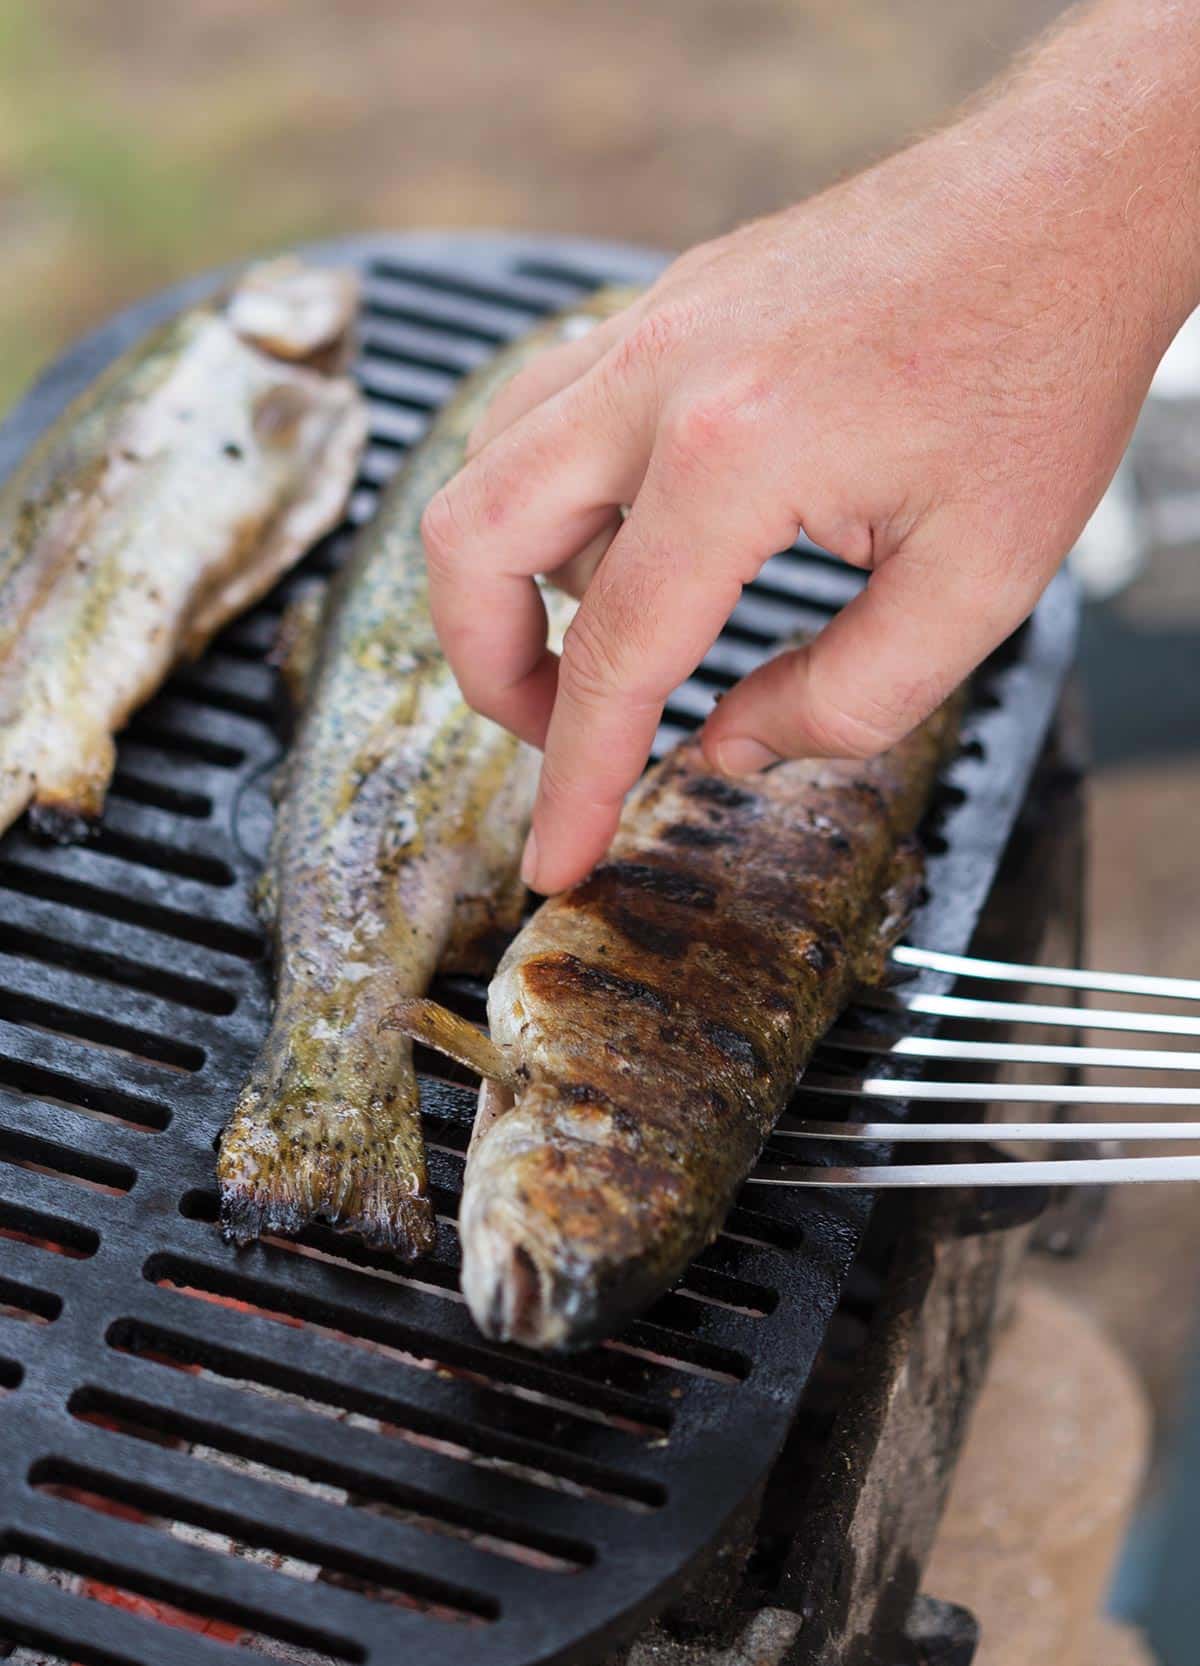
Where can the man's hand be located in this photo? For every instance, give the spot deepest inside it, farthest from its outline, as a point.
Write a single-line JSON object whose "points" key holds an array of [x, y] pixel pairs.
{"points": [[931, 370]]}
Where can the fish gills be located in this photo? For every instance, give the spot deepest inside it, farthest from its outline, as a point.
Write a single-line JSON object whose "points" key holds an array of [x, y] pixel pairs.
{"points": [[395, 853], [167, 499], [658, 1016]]}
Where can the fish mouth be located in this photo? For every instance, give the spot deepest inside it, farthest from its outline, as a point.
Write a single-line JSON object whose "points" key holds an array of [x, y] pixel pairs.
{"points": [[516, 1310], [514, 1293]]}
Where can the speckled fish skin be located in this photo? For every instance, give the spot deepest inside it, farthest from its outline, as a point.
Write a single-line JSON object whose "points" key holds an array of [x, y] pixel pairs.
{"points": [[167, 499], [396, 851], [657, 1017]]}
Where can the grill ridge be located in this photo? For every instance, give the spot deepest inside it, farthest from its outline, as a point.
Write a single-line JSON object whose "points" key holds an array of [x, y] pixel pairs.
{"points": [[133, 992]]}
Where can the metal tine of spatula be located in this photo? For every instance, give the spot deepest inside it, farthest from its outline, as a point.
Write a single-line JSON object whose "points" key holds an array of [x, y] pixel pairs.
{"points": [[819, 1085], [995, 1133], [1057, 977], [1028, 1012], [1009, 1052], [1067, 1171]]}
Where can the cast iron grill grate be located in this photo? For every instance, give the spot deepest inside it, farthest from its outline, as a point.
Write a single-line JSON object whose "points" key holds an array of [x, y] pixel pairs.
{"points": [[305, 1450]]}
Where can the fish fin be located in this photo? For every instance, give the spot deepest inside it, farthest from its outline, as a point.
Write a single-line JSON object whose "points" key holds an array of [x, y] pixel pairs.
{"points": [[297, 641], [282, 1190], [309, 1139], [404, 1226], [61, 824], [265, 897], [900, 896], [72, 784], [447, 1033], [495, 1100]]}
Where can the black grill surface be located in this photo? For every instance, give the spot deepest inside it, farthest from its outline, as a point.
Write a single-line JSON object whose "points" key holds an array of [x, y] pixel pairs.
{"points": [[305, 1449]]}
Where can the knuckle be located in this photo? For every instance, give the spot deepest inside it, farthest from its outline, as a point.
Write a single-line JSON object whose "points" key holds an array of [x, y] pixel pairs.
{"points": [[556, 787], [507, 403], [441, 532], [577, 786], [479, 694], [591, 662], [652, 339], [611, 649], [695, 433], [711, 423], [845, 734]]}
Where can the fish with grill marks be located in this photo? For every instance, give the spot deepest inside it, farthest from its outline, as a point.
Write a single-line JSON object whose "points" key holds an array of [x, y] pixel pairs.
{"points": [[168, 498], [395, 854], [649, 1025]]}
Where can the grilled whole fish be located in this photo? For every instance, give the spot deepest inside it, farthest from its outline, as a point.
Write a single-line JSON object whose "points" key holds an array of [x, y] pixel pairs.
{"points": [[166, 500], [395, 853], [649, 1025]]}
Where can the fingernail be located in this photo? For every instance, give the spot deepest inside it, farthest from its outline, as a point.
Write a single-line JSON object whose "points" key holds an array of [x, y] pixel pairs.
{"points": [[742, 756], [529, 861]]}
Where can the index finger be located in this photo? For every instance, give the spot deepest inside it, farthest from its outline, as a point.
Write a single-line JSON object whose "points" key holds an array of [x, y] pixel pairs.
{"points": [[659, 600]]}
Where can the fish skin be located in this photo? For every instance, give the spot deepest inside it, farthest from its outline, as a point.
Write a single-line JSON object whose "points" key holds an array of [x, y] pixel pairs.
{"points": [[167, 498], [659, 1015], [395, 853]]}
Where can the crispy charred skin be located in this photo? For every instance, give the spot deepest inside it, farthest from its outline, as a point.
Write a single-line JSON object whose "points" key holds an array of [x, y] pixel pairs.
{"points": [[395, 852], [658, 1016], [168, 498]]}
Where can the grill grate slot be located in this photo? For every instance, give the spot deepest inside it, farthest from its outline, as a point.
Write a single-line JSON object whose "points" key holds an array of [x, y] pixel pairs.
{"points": [[27, 1303], [52, 886], [56, 1234], [598, 1382], [80, 1168], [169, 739], [315, 1404], [175, 1607], [16, 1007], [103, 1101], [529, 1446], [75, 956], [231, 1532], [344, 1484]]}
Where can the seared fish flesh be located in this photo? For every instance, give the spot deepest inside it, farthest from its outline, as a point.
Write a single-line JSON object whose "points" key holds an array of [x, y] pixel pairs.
{"points": [[166, 500]]}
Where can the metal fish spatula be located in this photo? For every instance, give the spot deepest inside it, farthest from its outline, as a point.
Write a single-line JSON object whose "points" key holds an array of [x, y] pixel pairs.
{"points": [[881, 1170]]}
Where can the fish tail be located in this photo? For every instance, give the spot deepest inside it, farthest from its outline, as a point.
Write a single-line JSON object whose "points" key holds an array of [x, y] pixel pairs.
{"points": [[73, 777], [64, 792], [16, 789], [323, 1145]]}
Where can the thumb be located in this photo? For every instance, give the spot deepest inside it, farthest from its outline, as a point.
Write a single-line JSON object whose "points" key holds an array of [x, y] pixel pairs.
{"points": [[879, 668]]}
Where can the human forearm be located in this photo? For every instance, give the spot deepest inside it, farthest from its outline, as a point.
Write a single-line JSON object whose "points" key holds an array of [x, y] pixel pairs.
{"points": [[932, 369], [1094, 140]]}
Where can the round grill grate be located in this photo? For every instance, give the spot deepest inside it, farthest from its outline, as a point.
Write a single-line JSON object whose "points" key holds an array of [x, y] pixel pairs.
{"points": [[305, 1451]]}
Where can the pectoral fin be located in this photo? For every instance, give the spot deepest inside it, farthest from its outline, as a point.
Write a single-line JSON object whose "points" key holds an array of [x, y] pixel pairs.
{"points": [[447, 1033], [294, 652], [899, 898]]}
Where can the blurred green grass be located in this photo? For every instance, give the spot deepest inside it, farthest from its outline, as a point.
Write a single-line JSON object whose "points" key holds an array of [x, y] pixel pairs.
{"points": [[99, 198]]}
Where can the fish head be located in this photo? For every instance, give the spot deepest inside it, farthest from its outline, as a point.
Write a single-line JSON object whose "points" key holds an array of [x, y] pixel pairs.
{"points": [[574, 1216]]}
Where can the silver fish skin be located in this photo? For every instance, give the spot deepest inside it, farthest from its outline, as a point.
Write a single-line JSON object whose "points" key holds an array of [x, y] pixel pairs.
{"points": [[167, 499], [395, 854]]}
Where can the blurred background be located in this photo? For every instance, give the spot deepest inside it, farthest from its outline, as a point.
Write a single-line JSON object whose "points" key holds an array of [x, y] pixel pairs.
{"points": [[139, 143]]}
